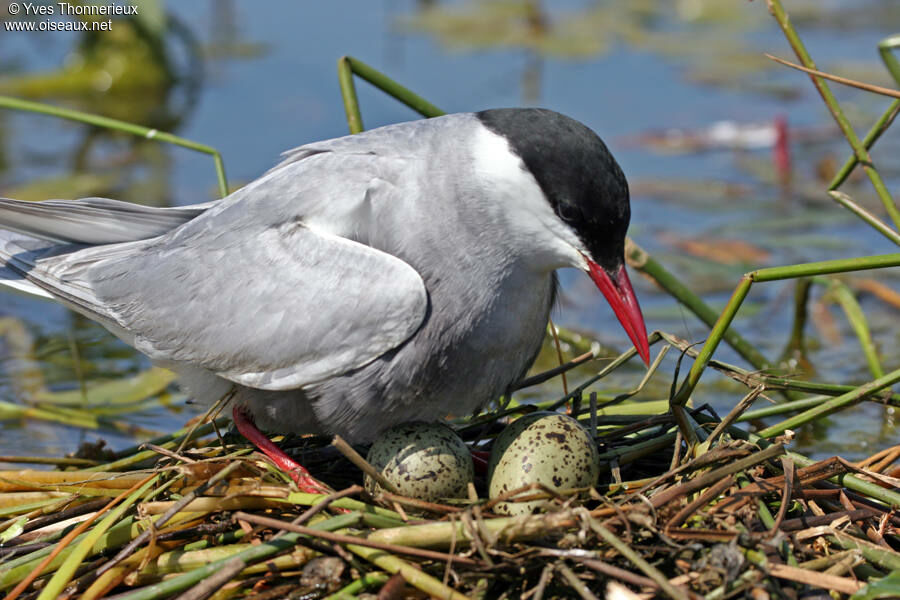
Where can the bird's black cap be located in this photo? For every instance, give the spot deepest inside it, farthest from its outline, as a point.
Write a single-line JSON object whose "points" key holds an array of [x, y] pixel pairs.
{"points": [[576, 172]]}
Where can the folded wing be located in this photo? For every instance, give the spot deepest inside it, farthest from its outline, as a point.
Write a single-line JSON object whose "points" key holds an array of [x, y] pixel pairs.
{"points": [[92, 220], [275, 309]]}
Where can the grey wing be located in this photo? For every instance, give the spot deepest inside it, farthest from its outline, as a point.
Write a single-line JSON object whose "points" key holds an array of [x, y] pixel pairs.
{"points": [[403, 139], [34, 230], [92, 220], [278, 310], [245, 289]]}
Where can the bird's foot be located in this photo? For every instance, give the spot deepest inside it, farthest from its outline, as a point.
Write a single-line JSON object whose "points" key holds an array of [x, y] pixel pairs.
{"points": [[306, 482], [301, 476]]}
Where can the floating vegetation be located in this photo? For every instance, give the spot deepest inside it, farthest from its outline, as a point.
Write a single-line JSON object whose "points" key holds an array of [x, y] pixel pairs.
{"points": [[681, 32], [687, 503], [197, 514]]}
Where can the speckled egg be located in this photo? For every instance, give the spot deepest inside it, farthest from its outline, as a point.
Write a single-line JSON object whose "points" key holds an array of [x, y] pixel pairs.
{"points": [[427, 461], [542, 447]]}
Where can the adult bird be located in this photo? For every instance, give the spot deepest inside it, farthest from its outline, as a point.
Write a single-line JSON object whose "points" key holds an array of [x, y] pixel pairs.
{"points": [[400, 274]]}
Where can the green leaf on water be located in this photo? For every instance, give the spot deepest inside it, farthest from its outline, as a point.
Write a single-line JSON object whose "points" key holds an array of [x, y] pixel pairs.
{"points": [[887, 587], [120, 391]]}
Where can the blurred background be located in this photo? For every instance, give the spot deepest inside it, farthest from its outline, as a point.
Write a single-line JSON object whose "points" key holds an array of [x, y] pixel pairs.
{"points": [[728, 156]]}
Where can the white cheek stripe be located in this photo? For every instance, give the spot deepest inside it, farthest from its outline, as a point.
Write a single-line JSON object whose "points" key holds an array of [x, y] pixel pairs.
{"points": [[523, 204], [494, 158]]}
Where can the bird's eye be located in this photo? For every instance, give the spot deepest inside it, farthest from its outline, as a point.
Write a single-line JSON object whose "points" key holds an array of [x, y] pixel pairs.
{"points": [[568, 212]]}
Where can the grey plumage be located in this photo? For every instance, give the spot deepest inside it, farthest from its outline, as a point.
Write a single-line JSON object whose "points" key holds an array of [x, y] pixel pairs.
{"points": [[92, 220], [364, 281]]}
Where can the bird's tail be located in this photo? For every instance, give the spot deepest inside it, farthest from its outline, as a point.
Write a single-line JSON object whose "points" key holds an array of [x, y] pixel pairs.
{"points": [[92, 221], [15, 244], [31, 230]]}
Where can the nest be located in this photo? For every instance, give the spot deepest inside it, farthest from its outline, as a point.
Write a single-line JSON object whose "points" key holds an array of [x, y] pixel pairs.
{"points": [[201, 515]]}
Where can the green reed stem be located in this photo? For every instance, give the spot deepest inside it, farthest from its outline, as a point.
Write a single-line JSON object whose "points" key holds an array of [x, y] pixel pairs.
{"points": [[392, 88], [781, 408], [795, 343], [880, 126], [752, 379], [770, 274], [348, 93], [645, 263], [250, 555], [712, 342], [826, 267], [859, 150], [857, 319], [876, 223], [814, 387], [833, 405], [885, 48], [852, 482], [63, 575], [123, 126], [368, 580], [349, 66]]}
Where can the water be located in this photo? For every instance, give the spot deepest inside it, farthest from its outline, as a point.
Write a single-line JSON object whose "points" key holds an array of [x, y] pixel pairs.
{"points": [[269, 83]]}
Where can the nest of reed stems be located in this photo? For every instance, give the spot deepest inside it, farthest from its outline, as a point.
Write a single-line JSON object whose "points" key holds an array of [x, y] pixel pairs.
{"points": [[202, 515]]}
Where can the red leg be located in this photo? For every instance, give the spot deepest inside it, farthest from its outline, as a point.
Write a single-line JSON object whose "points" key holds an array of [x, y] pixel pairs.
{"points": [[298, 473]]}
